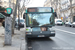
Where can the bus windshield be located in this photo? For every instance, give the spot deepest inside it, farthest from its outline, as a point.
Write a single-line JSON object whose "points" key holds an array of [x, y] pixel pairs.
{"points": [[40, 19]]}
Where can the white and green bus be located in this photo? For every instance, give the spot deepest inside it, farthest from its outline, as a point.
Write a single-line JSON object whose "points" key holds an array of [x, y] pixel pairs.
{"points": [[39, 22]]}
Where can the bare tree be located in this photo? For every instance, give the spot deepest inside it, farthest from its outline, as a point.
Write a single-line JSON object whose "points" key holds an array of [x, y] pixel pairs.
{"points": [[20, 10], [14, 16], [25, 3]]}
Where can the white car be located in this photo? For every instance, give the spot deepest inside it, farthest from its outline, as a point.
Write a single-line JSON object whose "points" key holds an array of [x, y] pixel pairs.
{"points": [[73, 24], [59, 22], [68, 24]]}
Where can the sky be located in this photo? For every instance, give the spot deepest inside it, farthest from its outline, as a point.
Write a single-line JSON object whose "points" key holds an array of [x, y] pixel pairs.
{"points": [[36, 3]]}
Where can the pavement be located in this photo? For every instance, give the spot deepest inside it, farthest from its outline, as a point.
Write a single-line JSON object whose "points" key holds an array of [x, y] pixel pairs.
{"points": [[0, 24], [18, 40]]}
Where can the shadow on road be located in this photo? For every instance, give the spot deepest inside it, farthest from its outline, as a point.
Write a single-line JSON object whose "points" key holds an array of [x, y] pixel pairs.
{"points": [[40, 39]]}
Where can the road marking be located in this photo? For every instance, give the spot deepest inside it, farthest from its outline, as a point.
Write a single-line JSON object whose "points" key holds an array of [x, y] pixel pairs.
{"points": [[65, 31]]}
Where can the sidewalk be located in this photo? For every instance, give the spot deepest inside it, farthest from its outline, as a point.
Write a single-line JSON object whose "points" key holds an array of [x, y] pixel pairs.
{"points": [[0, 24], [18, 40]]}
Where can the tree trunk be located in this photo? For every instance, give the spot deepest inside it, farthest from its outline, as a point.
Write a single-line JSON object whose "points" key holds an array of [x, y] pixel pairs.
{"points": [[14, 16]]}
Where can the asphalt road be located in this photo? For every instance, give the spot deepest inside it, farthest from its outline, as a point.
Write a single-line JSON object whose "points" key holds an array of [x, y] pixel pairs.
{"points": [[64, 40]]}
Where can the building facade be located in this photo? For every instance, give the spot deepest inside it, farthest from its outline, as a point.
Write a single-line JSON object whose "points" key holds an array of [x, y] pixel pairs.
{"points": [[65, 9], [4, 3], [7, 3], [73, 11], [68, 10], [55, 4]]}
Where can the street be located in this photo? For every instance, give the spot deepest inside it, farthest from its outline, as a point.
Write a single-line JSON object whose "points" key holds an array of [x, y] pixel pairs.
{"points": [[37, 25], [64, 40]]}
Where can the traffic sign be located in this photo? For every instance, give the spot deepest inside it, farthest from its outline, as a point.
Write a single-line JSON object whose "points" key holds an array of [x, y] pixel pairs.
{"points": [[8, 10], [61, 17]]}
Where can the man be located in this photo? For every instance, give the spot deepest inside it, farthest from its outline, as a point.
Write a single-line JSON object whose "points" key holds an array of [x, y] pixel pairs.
{"points": [[3, 23]]}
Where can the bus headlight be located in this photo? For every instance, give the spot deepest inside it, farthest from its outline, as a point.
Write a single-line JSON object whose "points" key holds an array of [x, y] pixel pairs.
{"points": [[28, 29]]}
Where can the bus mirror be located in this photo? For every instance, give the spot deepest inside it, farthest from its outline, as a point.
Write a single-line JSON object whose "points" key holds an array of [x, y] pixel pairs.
{"points": [[24, 15], [55, 14]]}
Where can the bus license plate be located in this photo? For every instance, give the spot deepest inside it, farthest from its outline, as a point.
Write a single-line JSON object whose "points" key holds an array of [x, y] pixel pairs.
{"points": [[41, 35]]}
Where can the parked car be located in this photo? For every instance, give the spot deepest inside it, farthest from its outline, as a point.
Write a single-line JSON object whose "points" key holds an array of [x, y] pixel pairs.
{"points": [[73, 24], [21, 24], [58, 22], [68, 24]]}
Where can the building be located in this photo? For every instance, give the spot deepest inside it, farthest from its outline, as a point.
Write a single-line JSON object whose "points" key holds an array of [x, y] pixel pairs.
{"points": [[68, 10], [65, 9], [4, 3], [13, 3], [7, 3], [55, 4], [73, 11]]}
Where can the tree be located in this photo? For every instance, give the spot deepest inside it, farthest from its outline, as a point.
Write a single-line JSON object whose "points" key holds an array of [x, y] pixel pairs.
{"points": [[25, 3], [14, 16], [15, 12], [2, 8]]}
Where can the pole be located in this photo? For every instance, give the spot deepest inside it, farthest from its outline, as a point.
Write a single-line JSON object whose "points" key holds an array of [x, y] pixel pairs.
{"points": [[8, 31]]}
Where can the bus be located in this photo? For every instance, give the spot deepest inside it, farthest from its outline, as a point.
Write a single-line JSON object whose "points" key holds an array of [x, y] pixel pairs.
{"points": [[39, 22]]}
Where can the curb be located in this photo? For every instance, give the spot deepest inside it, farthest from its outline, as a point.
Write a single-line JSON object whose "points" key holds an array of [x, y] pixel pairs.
{"points": [[23, 42], [23, 45]]}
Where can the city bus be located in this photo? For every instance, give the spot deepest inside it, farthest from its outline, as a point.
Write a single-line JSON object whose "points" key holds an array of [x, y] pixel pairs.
{"points": [[39, 22]]}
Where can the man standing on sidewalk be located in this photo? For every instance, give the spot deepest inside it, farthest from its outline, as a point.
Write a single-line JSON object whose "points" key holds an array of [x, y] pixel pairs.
{"points": [[3, 23]]}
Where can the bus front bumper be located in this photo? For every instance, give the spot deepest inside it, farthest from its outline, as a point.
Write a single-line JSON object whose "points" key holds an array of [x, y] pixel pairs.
{"points": [[32, 35]]}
